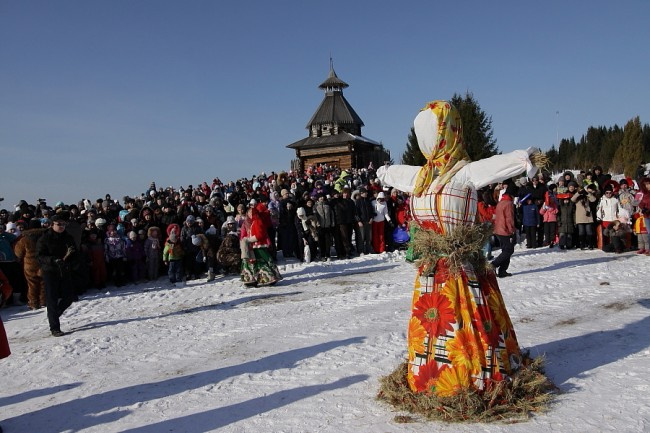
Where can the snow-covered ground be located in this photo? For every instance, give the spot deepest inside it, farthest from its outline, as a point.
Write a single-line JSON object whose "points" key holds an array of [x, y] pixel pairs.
{"points": [[306, 355]]}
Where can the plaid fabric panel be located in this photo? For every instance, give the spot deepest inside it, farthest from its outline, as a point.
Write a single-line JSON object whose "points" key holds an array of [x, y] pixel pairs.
{"points": [[455, 204]]}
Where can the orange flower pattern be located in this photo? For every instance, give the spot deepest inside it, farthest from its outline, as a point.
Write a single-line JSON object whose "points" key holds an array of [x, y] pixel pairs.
{"points": [[470, 340], [452, 380], [467, 349], [416, 337]]}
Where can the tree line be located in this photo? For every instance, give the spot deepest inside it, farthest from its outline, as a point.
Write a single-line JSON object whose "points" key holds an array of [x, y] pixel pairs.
{"points": [[615, 149]]}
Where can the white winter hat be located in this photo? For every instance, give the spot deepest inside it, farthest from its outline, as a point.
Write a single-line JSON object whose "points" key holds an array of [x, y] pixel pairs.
{"points": [[301, 212], [381, 195], [100, 222], [196, 240]]}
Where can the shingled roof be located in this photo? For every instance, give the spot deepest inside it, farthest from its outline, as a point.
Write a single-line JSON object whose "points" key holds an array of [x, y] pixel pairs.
{"points": [[333, 81], [330, 140], [335, 109]]}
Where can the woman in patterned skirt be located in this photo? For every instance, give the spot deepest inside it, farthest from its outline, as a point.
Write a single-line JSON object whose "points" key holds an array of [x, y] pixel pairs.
{"points": [[257, 267]]}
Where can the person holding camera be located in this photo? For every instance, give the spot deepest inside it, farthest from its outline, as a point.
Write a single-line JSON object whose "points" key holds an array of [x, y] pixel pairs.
{"points": [[57, 254], [584, 217]]}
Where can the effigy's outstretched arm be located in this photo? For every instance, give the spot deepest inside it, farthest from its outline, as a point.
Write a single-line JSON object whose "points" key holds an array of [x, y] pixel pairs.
{"points": [[401, 177], [480, 173], [498, 168]]}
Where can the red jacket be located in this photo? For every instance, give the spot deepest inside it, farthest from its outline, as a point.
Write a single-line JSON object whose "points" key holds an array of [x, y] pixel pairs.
{"points": [[485, 212], [6, 289], [644, 203], [504, 217]]}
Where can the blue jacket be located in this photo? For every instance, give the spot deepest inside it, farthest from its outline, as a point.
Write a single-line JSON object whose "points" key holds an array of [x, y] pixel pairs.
{"points": [[530, 217], [6, 251]]}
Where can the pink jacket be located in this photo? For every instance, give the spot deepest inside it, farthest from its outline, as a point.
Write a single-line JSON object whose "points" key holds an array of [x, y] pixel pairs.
{"points": [[549, 213]]}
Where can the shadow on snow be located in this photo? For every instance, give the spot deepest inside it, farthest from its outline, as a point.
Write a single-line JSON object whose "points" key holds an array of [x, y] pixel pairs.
{"points": [[110, 406], [218, 306], [573, 357]]}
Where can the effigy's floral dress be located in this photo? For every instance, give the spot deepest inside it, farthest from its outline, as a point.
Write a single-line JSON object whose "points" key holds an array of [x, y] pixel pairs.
{"points": [[459, 335]]}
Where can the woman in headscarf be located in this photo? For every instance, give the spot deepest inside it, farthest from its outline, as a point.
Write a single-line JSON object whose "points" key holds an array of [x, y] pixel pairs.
{"points": [[257, 268]]}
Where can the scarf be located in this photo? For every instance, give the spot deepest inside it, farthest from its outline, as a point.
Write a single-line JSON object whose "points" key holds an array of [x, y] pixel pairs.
{"points": [[447, 154]]}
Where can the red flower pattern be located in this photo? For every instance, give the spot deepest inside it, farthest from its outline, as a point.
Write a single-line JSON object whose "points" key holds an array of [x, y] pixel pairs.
{"points": [[435, 313]]}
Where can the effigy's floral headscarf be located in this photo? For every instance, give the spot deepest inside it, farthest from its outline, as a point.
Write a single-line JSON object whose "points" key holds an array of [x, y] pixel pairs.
{"points": [[444, 149]]}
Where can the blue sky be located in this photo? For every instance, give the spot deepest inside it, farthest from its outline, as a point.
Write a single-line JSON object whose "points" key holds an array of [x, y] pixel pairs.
{"points": [[104, 97]]}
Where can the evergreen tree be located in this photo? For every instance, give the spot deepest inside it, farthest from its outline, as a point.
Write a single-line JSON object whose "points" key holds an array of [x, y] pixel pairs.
{"points": [[611, 141], [553, 159], [412, 154], [477, 127], [629, 155], [646, 143], [566, 154]]}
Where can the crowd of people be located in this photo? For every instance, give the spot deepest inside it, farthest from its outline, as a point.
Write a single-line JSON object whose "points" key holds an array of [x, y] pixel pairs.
{"points": [[244, 227]]}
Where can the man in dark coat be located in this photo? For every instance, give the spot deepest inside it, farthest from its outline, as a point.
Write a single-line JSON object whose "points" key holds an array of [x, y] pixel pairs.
{"points": [[344, 217], [365, 212], [57, 255]]}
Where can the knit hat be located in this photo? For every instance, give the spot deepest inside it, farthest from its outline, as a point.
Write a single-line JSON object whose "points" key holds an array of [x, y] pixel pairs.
{"points": [[190, 219], [301, 212], [132, 235], [211, 231], [381, 195], [231, 220], [99, 222]]}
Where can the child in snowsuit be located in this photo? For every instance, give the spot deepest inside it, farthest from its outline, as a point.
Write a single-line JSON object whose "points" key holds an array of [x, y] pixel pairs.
{"points": [[115, 255], [94, 249], [530, 219], [153, 253], [135, 257], [616, 231], [549, 215], [173, 257], [208, 252], [566, 223], [229, 253]]}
